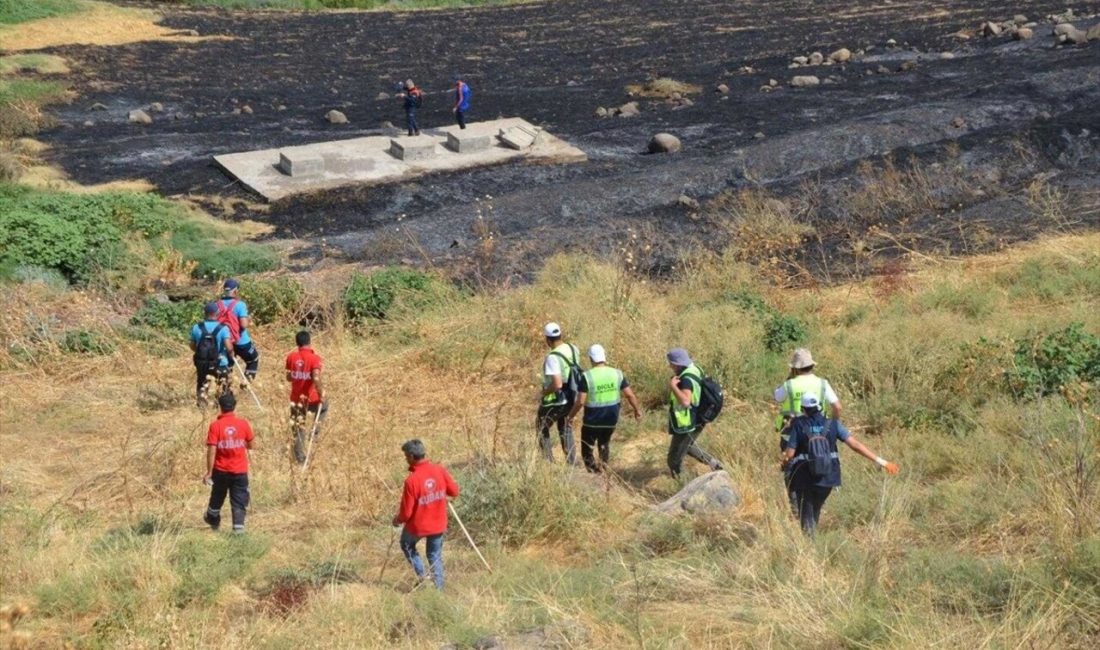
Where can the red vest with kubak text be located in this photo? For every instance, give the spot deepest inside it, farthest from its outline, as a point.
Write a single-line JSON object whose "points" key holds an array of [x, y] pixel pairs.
{"points": [[424, 501]]}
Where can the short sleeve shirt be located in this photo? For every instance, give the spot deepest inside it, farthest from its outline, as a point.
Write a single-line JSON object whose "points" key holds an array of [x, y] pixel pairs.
{"points": [[240, 310], [222, 337], [801, 430], [300, 364], [830, 397], [601, 417], [230, 435]]}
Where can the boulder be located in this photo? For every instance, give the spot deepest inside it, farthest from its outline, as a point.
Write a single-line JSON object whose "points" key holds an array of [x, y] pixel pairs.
{"points": [[629, 109], [140, 117], [1023, 34], [907, 66], [891, 43], [381, 97], [722, 88], [246, 109], [1020, 19], [773, 83], [958, 122], [711, 493], [843, 55], [1094, 33], [97, 107], [947, 55], [881, 69], [156, 107], [759, 135], [601, 111], [336, 117], [816, 58], [688, 202], [1067, 33], [800, 60], [989, 29], [664, 143], [804, 81]]}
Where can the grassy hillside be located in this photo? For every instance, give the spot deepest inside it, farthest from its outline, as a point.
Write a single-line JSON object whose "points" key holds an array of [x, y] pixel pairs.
{"points": [[987, 538]]}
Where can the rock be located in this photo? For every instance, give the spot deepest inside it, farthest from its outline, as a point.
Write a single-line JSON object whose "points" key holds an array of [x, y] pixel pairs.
{"points": [[1045, 115], [156, 107], [958, 123], [711, 493], [1094, 33], [1067, 33], [685, 102], [891, 43], [759, 135], [843, 55], [961, 35], [629, 109], [336, 117], [688, 202], [1020, 19], [381, 97], [89, 123], [907, 66], [989, 29], [246, 109], [793, 66], [675, 97], [1023, 34], [601, 112], [487, 643], [773, 83], [722, 89], [281, 107], [746, 69], [236, 111], [140, 117], [800, 60], [816, 58], [804, 81], [572, 83], [664, 143], [97, 107], [882, 70], [766, 89], [386, 125], [947, 55]]}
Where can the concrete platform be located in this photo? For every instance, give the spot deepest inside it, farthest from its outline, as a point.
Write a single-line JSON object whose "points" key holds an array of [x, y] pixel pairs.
{"points": [[464, 141], [414, 148], [370, 161]]}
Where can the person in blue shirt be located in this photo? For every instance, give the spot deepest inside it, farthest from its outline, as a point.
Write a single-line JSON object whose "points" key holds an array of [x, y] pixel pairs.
{"points": [[233, 312], [462, 101], [212, 352], [814, 461]]}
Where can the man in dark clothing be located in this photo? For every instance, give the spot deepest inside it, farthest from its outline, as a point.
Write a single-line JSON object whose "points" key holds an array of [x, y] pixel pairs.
{"points": [[815, 462], [686, 387], [228, 442], [462, 101], [414, 99], [599, 393], [210, 343]]}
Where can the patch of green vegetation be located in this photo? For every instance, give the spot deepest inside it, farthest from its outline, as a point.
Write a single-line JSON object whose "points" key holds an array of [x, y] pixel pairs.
{"points": [[378, 295], [271, 300], [37, 63], [1045, 364], [174, 318], [88, 342], [21, 101], [205, 563], [13, 12]]}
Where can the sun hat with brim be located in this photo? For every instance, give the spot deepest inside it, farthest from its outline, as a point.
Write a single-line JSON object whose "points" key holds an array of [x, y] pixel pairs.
{"points": [[679, 357], [802, 359]]}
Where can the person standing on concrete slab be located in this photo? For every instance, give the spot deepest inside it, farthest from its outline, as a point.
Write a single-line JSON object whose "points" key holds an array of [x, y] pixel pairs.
{"points": [[414, 99], [228, 442], [423, 510], [684, 427], [600, 393], [462, 101]]}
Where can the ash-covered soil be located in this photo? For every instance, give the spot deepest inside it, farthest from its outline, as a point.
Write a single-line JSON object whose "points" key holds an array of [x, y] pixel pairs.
{"points": [[986, 123]]}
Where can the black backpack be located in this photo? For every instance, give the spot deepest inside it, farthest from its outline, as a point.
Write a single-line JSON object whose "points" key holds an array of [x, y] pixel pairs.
{"points": [[572, 386], [711, 398], [206, 350], [821, 460]]}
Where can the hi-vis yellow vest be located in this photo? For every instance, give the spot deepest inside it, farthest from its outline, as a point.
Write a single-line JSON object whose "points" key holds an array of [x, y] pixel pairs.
{"points": [[681, 419], [562, 352], [796, 387]]}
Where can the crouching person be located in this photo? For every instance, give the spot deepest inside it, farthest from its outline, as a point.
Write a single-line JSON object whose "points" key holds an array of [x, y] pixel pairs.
{"points": [[228, 441], [423, 510]]}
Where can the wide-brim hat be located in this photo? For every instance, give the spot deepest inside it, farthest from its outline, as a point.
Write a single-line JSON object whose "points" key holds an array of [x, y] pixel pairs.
{"points": [[802, 359]]}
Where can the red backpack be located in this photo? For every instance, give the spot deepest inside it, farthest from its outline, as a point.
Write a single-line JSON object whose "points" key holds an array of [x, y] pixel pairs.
{"points": [[228, 316]]}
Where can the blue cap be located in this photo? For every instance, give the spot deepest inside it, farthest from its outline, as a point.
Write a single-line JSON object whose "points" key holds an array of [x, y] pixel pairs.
{"points": [[679, 357], [211, 308], [230, 284]]}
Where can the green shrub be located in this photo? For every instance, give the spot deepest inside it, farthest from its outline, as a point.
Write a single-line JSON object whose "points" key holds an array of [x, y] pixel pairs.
{"points": [[217, 261], [374, 296], [271, 299], [175, 318], [89, 342], [19, 11], [781, 330], [205, 563], [1044, 364]]}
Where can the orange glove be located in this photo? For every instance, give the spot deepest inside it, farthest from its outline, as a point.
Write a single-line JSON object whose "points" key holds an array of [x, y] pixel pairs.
{"points": [[892, 469]]}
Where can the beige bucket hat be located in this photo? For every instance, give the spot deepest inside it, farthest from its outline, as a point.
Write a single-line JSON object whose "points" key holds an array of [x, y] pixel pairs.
{"points": [[802, 359]]}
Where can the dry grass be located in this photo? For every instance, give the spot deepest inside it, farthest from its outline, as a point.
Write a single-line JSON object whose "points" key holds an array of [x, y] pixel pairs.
{"points": [[37, 63], [663, 88]]}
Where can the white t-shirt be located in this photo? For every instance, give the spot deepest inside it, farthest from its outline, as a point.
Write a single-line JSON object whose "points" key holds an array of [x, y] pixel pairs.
{"points": [[830, 397], [552, 365]]}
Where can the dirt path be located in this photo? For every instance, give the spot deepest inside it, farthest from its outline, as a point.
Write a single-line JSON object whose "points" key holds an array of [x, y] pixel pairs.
{"points": [[553, 64]]}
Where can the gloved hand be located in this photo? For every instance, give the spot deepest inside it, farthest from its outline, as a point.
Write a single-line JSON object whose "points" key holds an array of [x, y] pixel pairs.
{"points": [[892, 469]]}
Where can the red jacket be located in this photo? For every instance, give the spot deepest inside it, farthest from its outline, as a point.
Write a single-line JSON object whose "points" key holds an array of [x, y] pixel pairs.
{"points": [[424, 501]]}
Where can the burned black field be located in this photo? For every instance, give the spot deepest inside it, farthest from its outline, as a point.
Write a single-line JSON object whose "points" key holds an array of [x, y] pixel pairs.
{"points": [[982, 134]]}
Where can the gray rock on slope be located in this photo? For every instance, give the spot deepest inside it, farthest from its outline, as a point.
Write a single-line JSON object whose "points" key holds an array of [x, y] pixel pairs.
{"points": [[336, 117], [140, 117], [804, 81], [711, 493]]}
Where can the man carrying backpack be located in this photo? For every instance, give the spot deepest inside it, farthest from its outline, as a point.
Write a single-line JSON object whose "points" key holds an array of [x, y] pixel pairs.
{"points": [[684, 425], [814, 462], [210, 344], [233, 312], [414, 99], [560, 374], [462, 101], [303, 371], [600, 392], [801, 381]]}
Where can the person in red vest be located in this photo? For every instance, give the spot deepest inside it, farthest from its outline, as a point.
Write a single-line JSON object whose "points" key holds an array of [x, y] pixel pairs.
{"points": [[228, 441], [423, 510], [303, 371]]}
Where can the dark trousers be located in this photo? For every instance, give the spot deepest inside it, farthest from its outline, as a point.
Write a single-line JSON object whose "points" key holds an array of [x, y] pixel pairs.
{"points": [[251, 357], [298, 420], [809, 501], [208, 381], [410, 121], [595, 439], [683, 444], [236, 486], [549, 416], [460, 117]]}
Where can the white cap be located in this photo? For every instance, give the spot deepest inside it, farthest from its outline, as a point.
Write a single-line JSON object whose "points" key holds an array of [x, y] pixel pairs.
{"points": [[810, 401], [597, 354], [552, 330]]}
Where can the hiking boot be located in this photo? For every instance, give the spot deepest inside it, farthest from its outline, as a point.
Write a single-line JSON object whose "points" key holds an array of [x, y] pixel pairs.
{"points": [[211, 520]]}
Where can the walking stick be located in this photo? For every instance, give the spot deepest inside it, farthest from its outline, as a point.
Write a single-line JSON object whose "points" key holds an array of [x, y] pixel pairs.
{"points": [[321, 410], [389, 551], [468, 538], [248, 385]]}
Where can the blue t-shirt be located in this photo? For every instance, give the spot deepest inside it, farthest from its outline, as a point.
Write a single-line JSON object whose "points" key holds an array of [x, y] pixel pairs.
{"points": [[462, 97], [222, 338], [802, 428], [241, 310], [600, 417]]}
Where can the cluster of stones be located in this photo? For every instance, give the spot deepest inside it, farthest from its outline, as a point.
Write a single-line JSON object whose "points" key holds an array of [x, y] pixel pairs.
{"points": [[1021, 29]]}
